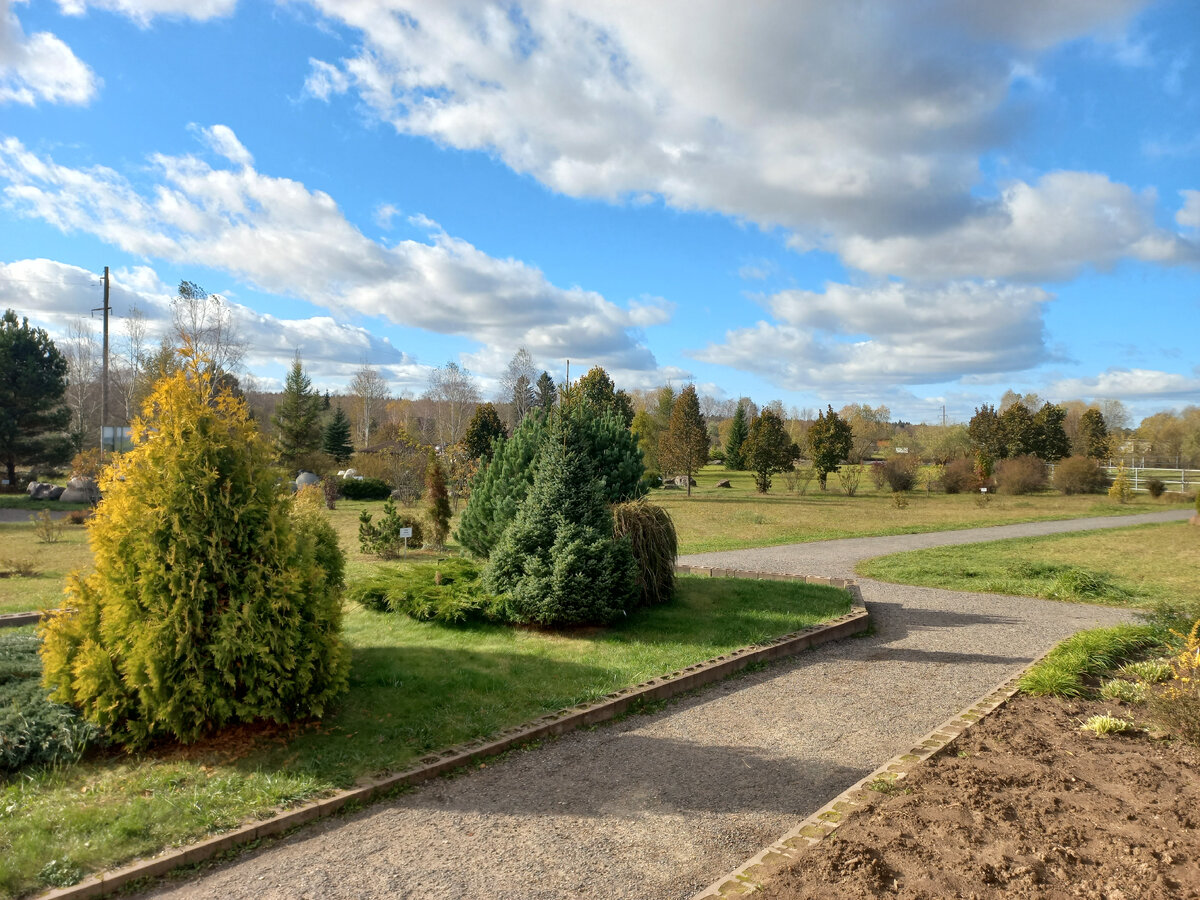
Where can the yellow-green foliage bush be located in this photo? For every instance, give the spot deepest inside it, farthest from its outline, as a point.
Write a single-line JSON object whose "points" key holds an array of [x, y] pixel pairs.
{"points": [[215, 599]]}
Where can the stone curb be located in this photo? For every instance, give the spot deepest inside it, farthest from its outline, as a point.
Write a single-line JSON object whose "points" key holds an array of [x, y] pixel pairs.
{"points": [[854, 622], [747, 878], [12, 620]]}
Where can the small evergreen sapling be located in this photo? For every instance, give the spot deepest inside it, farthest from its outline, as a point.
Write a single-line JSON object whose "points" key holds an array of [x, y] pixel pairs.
{"points": [[439, 501]]}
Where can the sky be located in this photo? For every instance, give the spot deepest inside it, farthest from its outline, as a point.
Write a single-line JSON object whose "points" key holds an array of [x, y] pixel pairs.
{"points": [[915, 204]]}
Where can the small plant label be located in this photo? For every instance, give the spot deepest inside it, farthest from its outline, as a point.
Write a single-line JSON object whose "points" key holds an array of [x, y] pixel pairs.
{"points": [[406, 532]]}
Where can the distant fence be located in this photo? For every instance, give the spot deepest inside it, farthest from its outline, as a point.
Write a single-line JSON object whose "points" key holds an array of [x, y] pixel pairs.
{"points": [[1181, 480]]}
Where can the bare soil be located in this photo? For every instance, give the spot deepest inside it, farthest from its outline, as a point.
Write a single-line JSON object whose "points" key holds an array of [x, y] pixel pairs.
{"points": [[1023, 805]]}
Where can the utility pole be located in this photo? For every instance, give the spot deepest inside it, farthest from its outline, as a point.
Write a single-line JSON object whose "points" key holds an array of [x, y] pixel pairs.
{"points": [[104, 368]]}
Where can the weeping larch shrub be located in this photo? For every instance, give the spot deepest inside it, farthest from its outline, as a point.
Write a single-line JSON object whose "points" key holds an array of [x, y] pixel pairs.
{"points": [[652, 538], [215, 599]]}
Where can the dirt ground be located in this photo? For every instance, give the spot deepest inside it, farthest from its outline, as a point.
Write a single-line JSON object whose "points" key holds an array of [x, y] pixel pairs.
{"points": [[1023, 805]]}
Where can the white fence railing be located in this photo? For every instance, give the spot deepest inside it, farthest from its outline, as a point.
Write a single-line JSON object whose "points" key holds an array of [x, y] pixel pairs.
{"points": [[1172, 479]]}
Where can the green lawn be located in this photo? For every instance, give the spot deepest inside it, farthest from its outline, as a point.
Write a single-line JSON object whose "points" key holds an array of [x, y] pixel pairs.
{"points": [[414, 687], [734, 518], [1139, 566], [51, 564]]}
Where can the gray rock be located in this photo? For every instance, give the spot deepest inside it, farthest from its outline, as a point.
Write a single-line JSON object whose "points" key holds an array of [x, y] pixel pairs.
{"points": [[40, 490], [684, 481], [724, 482], [81, 490], [56, 492], [307, 478]]}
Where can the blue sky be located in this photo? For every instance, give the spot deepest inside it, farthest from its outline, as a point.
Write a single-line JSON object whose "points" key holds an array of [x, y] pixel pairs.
{"points": [[910, 204]]}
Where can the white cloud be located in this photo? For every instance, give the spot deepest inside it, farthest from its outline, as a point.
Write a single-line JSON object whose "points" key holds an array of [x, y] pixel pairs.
{"points": [[224, 142], [1047, 230], [1189, 214], [143, 11], [54, 294], [325, 80], [889, 334], [1129, 384], [285, 239], [40, 67]]}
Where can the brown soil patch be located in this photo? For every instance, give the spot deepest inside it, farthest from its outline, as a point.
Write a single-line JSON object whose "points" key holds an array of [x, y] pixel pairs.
{"points": [[1023, 805]]}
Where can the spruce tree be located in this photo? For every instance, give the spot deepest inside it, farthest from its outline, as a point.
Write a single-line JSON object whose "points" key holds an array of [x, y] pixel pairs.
{"points": [[33, 381], [484, 429], [438, 500], [215, 598], [336, 439], [297, 418], [683, 448], [546, 392], [559, 562], [737, 436]]}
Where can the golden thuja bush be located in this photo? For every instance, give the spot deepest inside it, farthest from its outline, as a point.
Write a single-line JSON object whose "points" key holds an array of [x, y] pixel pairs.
{"points": [[215, 598]]}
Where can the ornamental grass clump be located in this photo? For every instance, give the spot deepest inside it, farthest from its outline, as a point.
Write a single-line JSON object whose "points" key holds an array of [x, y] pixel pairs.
{"points": [[652, 539], [215, 598]]}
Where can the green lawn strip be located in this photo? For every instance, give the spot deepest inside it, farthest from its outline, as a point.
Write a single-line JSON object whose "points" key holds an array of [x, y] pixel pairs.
{"points": [[52, 563], [22, 501], [1088, 653], [1137, 566], [414, 687], [737, 517]]}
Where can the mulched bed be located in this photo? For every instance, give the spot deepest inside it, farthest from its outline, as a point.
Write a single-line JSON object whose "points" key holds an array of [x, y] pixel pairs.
{"points": [[1023, 805]]}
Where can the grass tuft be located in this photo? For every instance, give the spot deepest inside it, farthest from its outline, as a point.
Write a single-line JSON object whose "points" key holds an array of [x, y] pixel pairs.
{"points": [[1091, 652], [1104, 724]]}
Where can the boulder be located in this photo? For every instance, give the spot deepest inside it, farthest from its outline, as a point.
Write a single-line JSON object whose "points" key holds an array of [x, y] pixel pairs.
{"points": [[724, 482], [81, 490], [670, 486], [40, 490], [306, 478], [684, 481], [351, 473], [56, 492]]}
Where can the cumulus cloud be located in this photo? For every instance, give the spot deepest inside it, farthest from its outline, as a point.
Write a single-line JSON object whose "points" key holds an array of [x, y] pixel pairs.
{"points": [[54, 294], [1047, 230], [1189, 214], [1129, 384], [286, 239], [889, 334], [39, 67], [848, 125]]}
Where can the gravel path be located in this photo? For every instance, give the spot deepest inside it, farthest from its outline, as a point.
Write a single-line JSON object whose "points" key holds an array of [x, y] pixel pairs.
{"points": [[659, 806]]}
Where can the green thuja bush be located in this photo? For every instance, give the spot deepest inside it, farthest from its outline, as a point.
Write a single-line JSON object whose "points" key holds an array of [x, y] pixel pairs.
{"points": [[559, 562], [215, 599], [652, 538], [448, 591]]}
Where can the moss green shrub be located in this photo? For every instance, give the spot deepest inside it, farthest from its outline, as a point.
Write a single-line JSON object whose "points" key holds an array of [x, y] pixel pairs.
{"points": [[655, 546], [448, 591], [211, 602], [559, 562], [365, 489], [34, 730], [383, 539]]}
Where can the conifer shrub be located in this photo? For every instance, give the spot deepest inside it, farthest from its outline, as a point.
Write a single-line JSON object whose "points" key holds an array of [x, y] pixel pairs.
{"points": [[652, 539], [366, 489], [438, 500], [1079, 475], [215, 598], [559, 562], [383, 538], [1020, 475], [448, 591], [1121, 489]]}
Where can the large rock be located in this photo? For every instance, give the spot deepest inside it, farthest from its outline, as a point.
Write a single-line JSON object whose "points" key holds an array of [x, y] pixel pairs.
{"points": [[80, 490], [685, 481], [41, 490], [307, 478], [724, 482], [56, 492]]}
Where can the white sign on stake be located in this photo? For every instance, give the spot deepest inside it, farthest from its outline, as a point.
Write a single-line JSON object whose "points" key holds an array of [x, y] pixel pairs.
{"points": [[406, 532]]}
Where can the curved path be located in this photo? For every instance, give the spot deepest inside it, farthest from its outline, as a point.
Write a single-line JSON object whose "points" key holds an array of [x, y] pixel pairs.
{"points": [[659, 806]]}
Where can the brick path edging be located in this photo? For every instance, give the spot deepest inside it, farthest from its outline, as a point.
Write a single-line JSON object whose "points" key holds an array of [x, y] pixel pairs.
{"points": [[611, 706], [12, 620], [747, 878]]}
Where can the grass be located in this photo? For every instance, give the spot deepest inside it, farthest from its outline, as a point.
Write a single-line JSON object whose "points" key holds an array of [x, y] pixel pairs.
{"points": [[737, 517], [1089, 653], [1101, 725], [52, 562], [1138, 566], [415, 687], [22, 501]]}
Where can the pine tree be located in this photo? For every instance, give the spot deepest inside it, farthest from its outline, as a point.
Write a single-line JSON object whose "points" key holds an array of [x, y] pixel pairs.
{"points": [[297, 418], [336, 439], [683, 448], [214, 597], [33, 381], [737, 436], [1093, 434], [598, 389], [438, 501], [546, 392]]}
